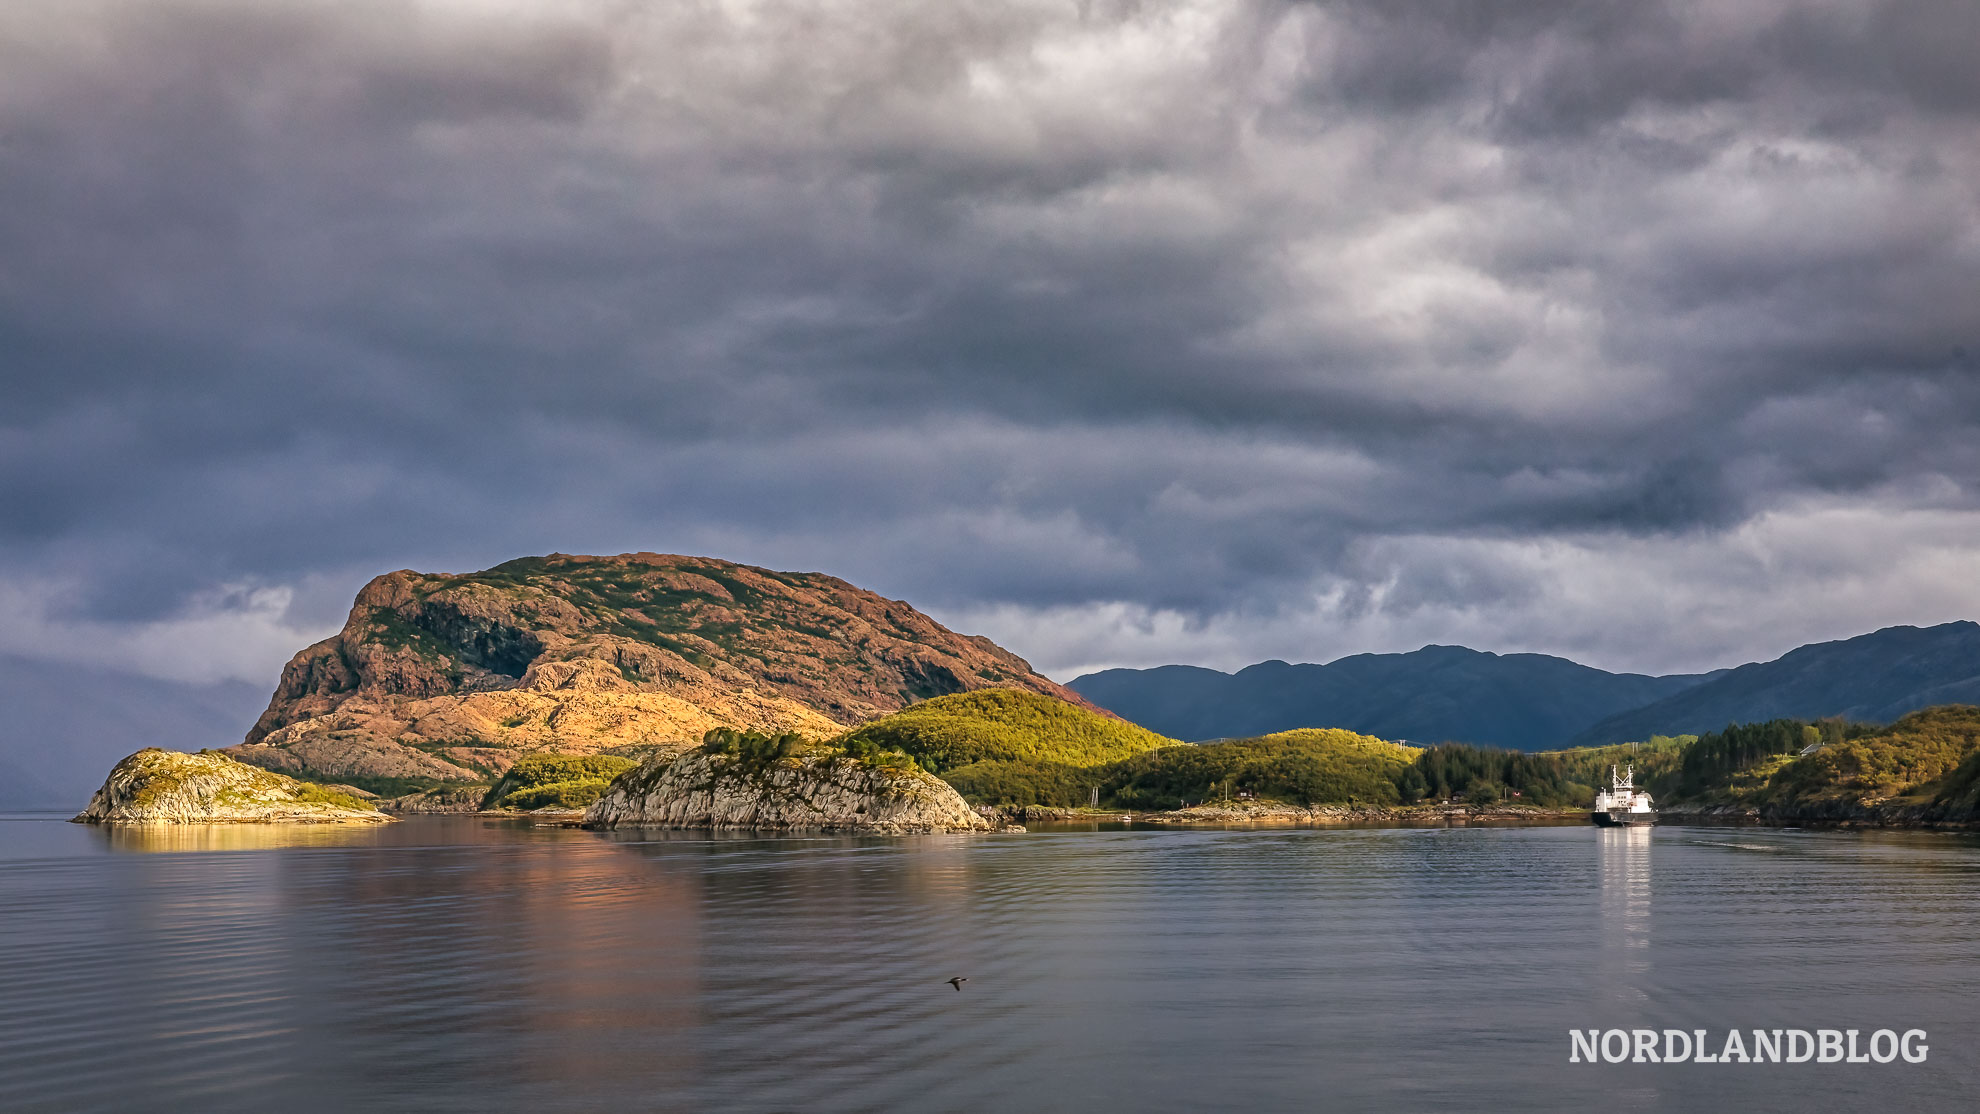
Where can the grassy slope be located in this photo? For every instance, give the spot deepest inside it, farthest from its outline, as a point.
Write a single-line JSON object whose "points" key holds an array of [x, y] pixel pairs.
{"points": [[556, 780], [1929, 759], [1005, 725], [1905, 758], [1005, 747], [1307, 766], [1587, 768], [1923, 755]]}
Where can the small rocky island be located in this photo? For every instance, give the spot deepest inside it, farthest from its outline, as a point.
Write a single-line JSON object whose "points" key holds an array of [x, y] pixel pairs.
{"points": [[830, 792], [168, 787]]}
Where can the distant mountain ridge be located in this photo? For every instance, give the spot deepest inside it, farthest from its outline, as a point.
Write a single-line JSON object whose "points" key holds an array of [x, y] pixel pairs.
{"points": [[1538, 702], [1875, 678], [1524, 701]]}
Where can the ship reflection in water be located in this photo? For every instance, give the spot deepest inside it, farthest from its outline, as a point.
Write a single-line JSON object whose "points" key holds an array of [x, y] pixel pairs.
{"points": [[1625, 903]]}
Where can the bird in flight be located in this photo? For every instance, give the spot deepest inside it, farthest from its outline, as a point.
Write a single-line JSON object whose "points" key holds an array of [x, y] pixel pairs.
{"points": [[958, 981]]}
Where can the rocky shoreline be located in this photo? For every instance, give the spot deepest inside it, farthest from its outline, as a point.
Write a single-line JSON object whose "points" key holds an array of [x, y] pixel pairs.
{"points": [[1275, 813], [1824, 814], [1266, 814]]}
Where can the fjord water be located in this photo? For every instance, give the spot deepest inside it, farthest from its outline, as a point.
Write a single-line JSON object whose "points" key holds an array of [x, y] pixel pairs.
{"points": [[464, 964]]}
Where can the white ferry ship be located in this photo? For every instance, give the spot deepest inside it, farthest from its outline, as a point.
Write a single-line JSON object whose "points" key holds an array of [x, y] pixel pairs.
{"points": [[1621, 803]]}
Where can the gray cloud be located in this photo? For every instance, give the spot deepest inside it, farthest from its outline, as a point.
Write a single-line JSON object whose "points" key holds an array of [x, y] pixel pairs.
{"points": [[1126, 333]]}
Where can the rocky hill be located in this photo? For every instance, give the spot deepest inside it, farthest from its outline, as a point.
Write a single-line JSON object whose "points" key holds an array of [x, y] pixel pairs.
{"points": [[450, 677]]}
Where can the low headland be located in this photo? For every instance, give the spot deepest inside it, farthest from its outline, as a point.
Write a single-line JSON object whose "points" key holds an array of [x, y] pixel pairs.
{"points": [[157, 786]]}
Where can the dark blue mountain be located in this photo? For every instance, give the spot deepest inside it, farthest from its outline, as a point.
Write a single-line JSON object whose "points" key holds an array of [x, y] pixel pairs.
{"points": [[1535, 702], [1874, 678], [1436, 694]]}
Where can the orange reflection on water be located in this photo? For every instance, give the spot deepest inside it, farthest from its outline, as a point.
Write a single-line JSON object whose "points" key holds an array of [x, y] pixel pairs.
{"points": [[234, 837]]}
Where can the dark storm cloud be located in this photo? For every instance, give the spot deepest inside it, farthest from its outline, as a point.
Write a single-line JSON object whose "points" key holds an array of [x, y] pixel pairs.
{"points": [[1341, 324]]}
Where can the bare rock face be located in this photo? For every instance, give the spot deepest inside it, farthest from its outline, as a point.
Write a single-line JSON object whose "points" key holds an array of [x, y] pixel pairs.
{"points": [[478, 736], [168, 787], [452, 677], [700, 790]]}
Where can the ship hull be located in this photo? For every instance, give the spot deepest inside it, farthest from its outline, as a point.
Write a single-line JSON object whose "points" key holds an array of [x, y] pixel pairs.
{"points": [[1619, 819]]}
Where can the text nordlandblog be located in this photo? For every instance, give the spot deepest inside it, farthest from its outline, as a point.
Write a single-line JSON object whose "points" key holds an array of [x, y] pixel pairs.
{"points": [[1768, 1046]]}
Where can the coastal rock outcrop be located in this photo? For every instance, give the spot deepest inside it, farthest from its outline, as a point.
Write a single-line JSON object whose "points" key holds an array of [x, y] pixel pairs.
{"points": [[834, 793], [168, 787]]}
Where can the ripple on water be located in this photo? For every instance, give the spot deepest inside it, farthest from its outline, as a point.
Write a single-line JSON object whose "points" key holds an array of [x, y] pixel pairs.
{"points": [[451, 964]]}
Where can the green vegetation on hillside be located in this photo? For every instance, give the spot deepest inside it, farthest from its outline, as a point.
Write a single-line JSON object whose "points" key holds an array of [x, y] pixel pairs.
{"points": [[556, 781], [1481, 774], [751, 746], [1025, 783], [311, 793], [1015, 748], [1958, 793], [1912, 755], [389, 787], [1928, 755], [1583, 770], [1744, 757], [1004, 725], [1751, 764], [1305, 767], [756, 749], [1548, 779]]}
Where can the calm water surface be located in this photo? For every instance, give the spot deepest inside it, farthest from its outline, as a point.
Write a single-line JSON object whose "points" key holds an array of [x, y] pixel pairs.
{"points": [[451, 964]]}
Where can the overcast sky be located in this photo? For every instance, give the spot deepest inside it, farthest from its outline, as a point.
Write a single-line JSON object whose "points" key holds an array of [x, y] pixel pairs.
{"points": [[1643, 333]]}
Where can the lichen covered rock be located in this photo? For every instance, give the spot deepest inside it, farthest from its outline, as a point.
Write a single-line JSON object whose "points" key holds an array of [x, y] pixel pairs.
{"points": [[832, 793], [168, 787]]}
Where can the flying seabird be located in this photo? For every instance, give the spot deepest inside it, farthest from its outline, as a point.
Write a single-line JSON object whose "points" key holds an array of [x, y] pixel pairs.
{"points": [[958, 981]]}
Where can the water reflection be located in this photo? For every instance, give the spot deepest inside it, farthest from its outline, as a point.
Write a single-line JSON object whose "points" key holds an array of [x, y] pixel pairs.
{"points": [[231, 837], [458, 964], [576, 969], [1625, 920]]}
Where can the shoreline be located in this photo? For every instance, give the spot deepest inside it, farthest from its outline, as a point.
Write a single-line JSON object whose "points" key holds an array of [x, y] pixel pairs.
{"points": [[1275, 814], [1265, 814], [1272, 814], [1891, 815], [1017, 817], [1820, 814]]}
